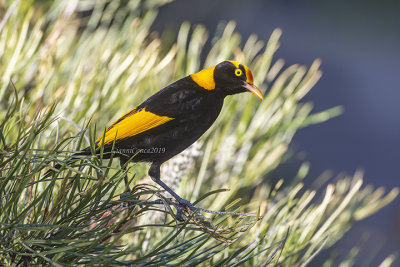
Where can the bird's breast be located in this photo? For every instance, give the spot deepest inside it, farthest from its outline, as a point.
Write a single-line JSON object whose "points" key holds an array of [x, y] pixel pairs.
{"points": [[188, 129]]}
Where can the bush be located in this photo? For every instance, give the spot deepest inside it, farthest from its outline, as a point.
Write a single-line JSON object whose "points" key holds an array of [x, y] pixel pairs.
{"points": [[96, 60]]}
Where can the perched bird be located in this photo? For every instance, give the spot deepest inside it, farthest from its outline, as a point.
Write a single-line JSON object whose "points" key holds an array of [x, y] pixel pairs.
{"points": [[174, 118]]}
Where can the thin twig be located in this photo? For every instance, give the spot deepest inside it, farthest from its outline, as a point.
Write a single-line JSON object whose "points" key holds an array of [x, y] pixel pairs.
{"points": [[177, 205]]}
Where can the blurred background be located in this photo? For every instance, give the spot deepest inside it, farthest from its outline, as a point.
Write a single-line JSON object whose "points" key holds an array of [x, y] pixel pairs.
{"points": [[358, 44]]}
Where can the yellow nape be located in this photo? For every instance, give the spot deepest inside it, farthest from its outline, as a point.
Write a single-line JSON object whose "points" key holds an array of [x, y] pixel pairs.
{"points": [[205, 78], [249, 75], [134, 124], [237, 64]]}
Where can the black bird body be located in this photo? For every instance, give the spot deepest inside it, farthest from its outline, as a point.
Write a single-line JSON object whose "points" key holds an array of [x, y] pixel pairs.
{"points": [[193, 111], [174, 118]]}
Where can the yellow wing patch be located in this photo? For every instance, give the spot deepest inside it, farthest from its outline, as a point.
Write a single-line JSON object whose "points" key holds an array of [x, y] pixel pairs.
{"points": [[120, 119], [132, 124], [205, 78]]}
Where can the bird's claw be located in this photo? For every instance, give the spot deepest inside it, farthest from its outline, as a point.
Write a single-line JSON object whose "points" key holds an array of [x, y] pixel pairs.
{"points": [[124, 195], [178, 214], [184, 205]]}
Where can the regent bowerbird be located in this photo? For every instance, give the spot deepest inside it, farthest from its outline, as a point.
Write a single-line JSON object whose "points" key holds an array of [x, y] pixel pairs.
{"points": [[172, 119]]}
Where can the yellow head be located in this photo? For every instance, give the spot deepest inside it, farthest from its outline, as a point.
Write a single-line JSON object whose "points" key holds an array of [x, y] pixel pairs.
{"points": [[230, 77]]}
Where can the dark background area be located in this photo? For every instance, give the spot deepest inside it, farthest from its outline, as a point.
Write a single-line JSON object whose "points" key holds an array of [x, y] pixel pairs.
{"points": [[359, 45]]}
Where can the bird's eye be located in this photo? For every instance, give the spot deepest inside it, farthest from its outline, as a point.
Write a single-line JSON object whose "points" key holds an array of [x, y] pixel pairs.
{"points": [[238, 72]]}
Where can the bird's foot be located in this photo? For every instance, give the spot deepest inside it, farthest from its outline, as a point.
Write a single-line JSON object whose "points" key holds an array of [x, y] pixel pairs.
{"points": [[124, 195], [186, 205], [127, 193]]}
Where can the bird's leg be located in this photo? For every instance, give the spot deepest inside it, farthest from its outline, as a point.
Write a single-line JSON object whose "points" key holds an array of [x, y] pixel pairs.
{"points": [[154, 173]]}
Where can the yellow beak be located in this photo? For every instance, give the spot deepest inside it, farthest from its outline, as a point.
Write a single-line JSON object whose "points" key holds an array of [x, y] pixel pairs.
{"points": [[252, 88]]}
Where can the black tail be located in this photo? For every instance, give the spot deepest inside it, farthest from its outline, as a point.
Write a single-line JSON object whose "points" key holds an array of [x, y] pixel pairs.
{"points": [[75, 156]]}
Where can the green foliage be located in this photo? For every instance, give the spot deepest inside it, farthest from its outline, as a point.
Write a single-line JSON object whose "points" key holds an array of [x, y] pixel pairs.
{"points": [[96, 60]]}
